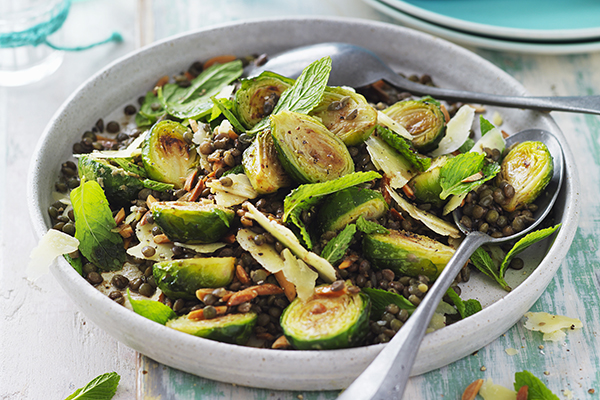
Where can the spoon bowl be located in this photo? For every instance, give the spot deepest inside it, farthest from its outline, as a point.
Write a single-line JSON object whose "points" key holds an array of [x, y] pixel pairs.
{"points": [[356, 66], [386, 377]]}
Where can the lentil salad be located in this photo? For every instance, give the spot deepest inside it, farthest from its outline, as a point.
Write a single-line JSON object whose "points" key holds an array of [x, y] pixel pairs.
{"points": [[223, 152]]}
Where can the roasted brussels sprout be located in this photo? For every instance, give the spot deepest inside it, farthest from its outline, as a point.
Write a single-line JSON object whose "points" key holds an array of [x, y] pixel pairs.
{"points": [[307, 150], [346, 206], [192, 221], [324, 322], [180, 279], [423, 119], [258, 96], [120, 186], [166, 155], [229, 328], [528, 168], [262, 166], [426, 186], [346, 114], [407, 253]]}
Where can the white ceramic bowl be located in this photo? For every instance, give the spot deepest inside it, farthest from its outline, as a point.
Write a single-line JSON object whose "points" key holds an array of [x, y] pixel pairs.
{"points": [[406, 50]]}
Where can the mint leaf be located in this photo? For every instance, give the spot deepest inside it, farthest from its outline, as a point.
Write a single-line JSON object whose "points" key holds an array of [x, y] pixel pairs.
{"points": [[485, 125], [150, 110], [483, 262], [369, 227], [380, 299], [102, 387], [195, 100], [335, 249], [76, 263], [467, 145], [93, 227], [465, 308], [536, 388], [405, 148], [306, 196], [153, 310], [525, 242], [238, 169], [224, 106], [158, 186], [464, 165], [307, 91]]}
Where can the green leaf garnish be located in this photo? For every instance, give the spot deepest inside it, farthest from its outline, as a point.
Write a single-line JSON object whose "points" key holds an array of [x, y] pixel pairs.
{"points": [[238, 169], [370, 227], [467, 145], [483, 262], [225, 106], [102, 387], [93, 227], [76, 263], [335, 249], [536, 390], [464, 166], [405, 148], [153, 310], [129, 166], [485, 125], [525, 242], [306, 196], [380, 299], [465, 308]]}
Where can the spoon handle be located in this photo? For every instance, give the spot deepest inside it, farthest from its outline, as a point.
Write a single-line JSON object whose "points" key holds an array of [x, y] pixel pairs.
{"points": [[582, 104], [386, 377]]}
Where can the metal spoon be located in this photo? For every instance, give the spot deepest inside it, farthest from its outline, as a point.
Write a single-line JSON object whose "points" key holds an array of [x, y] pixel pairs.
{"points": [[386, 377], [356, 66]]}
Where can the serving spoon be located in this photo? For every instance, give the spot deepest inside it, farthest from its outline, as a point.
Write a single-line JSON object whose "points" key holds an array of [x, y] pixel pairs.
{"points": [[386, 377], [356, 66]]}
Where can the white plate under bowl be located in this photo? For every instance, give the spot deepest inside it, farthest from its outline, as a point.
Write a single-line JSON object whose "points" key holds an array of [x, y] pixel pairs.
{"points": [[406, 50], [484, 42]]}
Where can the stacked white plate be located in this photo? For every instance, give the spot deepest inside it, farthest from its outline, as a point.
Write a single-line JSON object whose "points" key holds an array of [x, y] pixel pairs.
{"points": [[526, 26]]}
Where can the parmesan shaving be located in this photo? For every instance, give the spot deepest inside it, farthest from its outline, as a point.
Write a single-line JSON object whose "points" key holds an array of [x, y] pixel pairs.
{"points": [[457, 131], [389, 161], [490, 391], [265, 254], [388, 122], [298, 273], [511, 352], [53, 244], [551, 325], [130, 151]]}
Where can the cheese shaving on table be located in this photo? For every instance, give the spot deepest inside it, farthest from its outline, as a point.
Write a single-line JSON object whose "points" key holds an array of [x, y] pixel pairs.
{"points": [[53, 244], [551, 325], [490, 391]]}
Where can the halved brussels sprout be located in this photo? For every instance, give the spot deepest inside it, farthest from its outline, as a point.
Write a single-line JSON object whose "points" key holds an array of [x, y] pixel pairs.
{"points": [[120, 186], [423, 119], [528, 167], [257, 97], [346, 206], [307, 150], [166, 155], [262, 166], [323, 322], [346, 114], [407, 253], [180, 279], [192, 221], [426, 186], [229, 328]]}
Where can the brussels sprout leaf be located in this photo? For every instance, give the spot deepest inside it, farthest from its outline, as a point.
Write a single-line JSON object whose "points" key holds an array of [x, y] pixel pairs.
{"points": [[483, 262], [405, 148], [535, 387], [370, 227], [465, 308], [102, 387], [128, 166], [380, 299], [224, 106], [93, 227], [153, 310], [524, 243], [485, 125], [335, 249], [461, 167]]}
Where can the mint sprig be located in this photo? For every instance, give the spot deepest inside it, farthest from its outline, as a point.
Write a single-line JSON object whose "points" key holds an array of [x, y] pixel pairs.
{"points": [[153, 310], [405, 148], [335, 249], [536, 390], [465, 308], [102, 387], [461, 167], [380, 299]]}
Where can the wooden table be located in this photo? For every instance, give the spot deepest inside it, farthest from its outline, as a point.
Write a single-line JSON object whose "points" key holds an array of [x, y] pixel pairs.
{"points": [[48, 349]]}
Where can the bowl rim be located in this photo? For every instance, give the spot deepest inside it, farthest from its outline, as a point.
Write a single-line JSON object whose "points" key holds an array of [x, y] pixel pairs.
{"points": [[67, 276]]}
